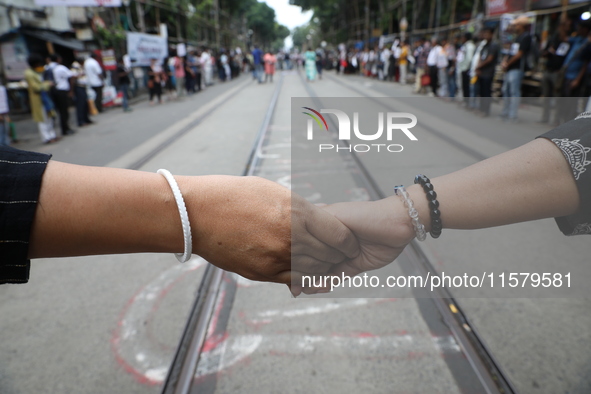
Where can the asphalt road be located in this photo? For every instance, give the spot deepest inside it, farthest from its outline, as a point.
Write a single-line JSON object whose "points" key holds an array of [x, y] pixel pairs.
{"points": [[274, 343], [110, 324], [543, 343]]}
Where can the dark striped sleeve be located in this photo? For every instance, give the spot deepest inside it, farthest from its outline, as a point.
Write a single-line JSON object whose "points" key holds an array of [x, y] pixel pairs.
{"points": [[574, 140], [20, 183]]}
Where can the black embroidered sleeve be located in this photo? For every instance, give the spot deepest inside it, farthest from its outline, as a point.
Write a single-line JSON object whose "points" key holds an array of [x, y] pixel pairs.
{"points": [[574, 140], [20, 183]]}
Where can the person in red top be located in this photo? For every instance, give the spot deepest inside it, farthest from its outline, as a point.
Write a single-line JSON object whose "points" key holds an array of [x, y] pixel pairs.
{"points": [[269, 59], [179, 74]]}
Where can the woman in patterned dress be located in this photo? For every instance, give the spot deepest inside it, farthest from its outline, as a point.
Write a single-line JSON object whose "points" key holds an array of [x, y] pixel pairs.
{"points": [[310, 58]]}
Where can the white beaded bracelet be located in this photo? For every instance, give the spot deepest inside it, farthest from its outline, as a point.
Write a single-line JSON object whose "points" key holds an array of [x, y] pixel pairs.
{"points": [[413, 213], [182, 257]]}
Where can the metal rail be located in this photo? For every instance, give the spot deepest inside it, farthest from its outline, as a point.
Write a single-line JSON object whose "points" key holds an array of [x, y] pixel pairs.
{"points": [[182, 371], [486, 369]]}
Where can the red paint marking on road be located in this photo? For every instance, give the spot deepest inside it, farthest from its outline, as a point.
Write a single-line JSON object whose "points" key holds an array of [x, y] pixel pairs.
{"points": [[383, 300], [227, 279], [277, 353], [365, 335], [213, 323], [355, 335], [255, 325], [214, 341], [415, 355], [158, 300], [139, 376], [115, 339]]}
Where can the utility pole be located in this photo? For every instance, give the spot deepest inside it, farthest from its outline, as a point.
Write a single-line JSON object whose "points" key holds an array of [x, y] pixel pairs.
{"points": [[432, 13], [452, 14], [475, 10], [217, 23], [357, 21], [417, 6], [367, 21], [179, 34], [404, 8], [140, 16], [563, 14], [438, 16], [117, 17]]}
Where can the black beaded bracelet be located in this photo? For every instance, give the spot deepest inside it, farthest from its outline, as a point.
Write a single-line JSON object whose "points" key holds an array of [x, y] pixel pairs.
{"points": [[436, 225]]}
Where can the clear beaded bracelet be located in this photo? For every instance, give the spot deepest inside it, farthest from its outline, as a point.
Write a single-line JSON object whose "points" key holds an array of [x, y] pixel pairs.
{"points": [[420, 232]]}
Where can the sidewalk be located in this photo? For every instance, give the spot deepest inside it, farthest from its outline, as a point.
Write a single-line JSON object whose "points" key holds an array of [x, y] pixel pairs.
{"points": [[115, 133], [27, 131]]}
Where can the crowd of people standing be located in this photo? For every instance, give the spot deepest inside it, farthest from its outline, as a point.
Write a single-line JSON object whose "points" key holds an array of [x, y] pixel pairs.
{"points": [[177, 76], [461, 68], [467, 64], [52, 86]]}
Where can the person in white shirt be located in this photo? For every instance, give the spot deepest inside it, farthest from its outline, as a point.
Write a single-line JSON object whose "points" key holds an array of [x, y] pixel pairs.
{"points": [[205, 61], [385, 63], [355, 61], [474, 87], [463, 60], [226, 66], [80, 95], [365, 62], [64, 92], [48, 76], [4, 118], [442, 64], [432, 64], [94, 75]]}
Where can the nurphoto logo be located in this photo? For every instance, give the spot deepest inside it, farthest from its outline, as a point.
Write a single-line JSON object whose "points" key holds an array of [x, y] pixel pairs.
{"points": [[393, 124]]}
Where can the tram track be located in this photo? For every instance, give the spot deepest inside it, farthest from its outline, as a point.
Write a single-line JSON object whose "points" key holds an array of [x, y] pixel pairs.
{"points": [[474, 369], [160, 147], [181, 374]]}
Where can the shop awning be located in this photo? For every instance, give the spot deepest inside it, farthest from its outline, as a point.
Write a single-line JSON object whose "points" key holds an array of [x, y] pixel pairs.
{"points": [[46, 35]]}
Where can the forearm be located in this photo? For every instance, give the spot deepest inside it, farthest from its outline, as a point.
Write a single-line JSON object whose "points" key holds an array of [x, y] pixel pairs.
{"points": [[531, 182], [92, 210], [514, 59], [582, 73], [241, 224], [485, 63]]}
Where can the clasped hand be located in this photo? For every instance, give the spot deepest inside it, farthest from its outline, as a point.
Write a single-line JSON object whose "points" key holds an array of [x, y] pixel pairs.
{"points": [[264, 232]]}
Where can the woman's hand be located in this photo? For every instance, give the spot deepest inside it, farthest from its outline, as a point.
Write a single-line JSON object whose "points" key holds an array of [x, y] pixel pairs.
{"points": [[261, 230], [383, 229]]}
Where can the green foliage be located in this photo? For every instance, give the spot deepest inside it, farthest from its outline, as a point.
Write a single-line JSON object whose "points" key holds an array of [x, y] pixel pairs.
{"points": [[330, 16], [110, 38], [338, 20], [237, 7], [281, 31], [299, 35], [201, 6], [235, 18], [260, 18]]}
